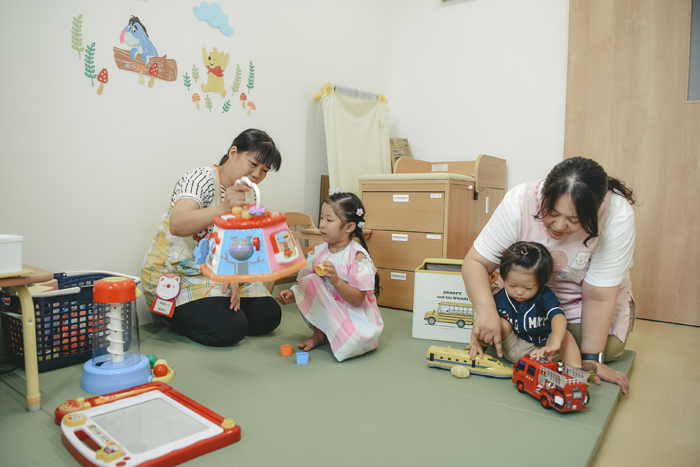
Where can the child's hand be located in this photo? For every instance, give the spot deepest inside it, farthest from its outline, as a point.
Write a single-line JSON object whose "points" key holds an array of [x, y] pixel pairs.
{"points": [[475, 348], [286, 297], [331, 273], [548, 351]]}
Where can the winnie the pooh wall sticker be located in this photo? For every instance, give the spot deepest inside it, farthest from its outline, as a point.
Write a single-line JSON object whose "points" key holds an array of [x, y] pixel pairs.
{"points": [[142, 57], [216, 63]]}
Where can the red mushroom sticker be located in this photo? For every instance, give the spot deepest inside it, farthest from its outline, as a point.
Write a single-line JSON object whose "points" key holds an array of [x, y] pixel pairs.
{"points": [[243, 98], [153, 71], [195, 99], [252, 107], [141, 69], [102, 78]]}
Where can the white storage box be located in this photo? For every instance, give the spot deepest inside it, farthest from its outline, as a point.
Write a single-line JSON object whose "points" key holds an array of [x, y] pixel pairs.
{"points": [[10, 254], [441, 309]]}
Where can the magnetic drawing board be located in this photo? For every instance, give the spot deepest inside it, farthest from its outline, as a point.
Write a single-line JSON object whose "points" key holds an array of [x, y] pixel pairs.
{"points": [[147, 425]]}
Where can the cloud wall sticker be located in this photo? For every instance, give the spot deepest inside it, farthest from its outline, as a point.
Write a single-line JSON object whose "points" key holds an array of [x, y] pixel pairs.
{"points": [[213, 15]]}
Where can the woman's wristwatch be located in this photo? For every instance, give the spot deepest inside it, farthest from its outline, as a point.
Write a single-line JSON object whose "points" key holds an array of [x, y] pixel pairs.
{"points": [[595, 357]]}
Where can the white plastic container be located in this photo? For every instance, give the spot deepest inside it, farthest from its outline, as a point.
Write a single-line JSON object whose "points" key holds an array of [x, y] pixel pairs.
{"points": [[10, 254]]}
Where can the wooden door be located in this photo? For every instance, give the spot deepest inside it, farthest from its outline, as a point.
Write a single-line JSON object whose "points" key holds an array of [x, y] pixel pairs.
{"points": [[627, 108]]}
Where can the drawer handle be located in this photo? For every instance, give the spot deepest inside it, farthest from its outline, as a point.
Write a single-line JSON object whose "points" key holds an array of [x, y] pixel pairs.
{"points": [[399, 237], [400, 198], [397, 276]]}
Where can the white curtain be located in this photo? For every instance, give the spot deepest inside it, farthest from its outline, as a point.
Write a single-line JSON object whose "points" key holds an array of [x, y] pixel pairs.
{"points": [[357, 138]]}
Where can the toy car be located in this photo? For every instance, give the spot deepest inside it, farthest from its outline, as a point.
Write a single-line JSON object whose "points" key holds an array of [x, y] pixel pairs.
{"points": [[558, 386]]}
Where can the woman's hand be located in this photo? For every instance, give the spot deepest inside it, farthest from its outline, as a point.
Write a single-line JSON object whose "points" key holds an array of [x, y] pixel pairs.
{"points": [[235, 195], [286, 297], [605, 373], [235, 295], [476, 271]]}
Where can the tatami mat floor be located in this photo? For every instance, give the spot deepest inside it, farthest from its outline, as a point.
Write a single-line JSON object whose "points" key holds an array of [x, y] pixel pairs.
{"points": [[330, 414]]}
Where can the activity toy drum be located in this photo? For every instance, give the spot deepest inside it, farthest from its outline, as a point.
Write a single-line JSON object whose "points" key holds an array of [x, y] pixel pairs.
{"points": [[250, 244], [116, 362]]}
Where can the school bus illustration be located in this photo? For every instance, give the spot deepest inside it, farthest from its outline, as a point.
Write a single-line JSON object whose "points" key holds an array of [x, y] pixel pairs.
{"points": [[460, 314]]}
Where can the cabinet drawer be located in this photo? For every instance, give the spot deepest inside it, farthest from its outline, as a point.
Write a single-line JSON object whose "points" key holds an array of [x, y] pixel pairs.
{"points": [[403, 250], [397, 288], [407, 211]]}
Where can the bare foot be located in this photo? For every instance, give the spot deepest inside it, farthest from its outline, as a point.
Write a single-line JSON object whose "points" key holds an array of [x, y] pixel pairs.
{"points": [[318, 338]]}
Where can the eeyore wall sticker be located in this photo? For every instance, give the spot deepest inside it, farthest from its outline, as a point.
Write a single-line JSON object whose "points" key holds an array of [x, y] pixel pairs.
{"points": [[142, 56]]}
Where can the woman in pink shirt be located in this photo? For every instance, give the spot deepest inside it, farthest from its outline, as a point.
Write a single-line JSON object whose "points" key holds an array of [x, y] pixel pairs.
{"points": [[586, 221]]}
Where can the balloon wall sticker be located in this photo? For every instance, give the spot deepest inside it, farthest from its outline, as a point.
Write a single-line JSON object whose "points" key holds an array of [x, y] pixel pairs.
{"points": [[76, 36], [141, 55], [213, 15], [216, 62]]}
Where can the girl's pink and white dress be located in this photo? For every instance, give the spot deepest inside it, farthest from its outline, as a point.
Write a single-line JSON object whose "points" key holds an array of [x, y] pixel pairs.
{"points": [[351, 330]]}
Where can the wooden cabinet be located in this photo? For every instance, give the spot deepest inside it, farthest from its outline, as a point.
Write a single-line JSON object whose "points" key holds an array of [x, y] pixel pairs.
{"points": [[429, 214]]}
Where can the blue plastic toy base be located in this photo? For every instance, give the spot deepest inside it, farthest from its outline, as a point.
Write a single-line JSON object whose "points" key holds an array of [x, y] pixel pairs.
{"points": [[101, 380]]}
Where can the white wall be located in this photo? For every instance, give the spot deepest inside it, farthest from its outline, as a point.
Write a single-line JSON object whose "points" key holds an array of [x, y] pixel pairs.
{"points": [[85, 178], [474, 77]]}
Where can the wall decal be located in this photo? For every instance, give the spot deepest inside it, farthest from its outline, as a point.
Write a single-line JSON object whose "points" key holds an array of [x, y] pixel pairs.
{"points": [[186, 79], [102, 78], [243, 98], [195, 99], [142, 53], [227, 105], [141, 69], [195, 73], [216, 63], [76, 37], [90, 63], [252, 107], [135, 36], [213, 15], [251, 76], [237, 81], [207, 103]]}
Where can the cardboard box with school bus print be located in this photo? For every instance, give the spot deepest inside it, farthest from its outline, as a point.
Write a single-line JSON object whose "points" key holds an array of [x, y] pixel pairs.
{"points": [[442, 310]]}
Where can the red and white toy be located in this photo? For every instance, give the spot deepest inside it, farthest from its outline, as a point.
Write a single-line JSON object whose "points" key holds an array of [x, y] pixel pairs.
{"points": [[166, 292], [561, 387]]}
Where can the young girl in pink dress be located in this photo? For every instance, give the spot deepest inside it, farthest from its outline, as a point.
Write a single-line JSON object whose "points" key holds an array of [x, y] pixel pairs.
{"points": [[340, 306]]}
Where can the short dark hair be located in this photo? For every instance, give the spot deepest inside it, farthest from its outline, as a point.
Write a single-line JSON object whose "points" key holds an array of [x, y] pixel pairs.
{"points": [[260, 145], [533, 257]]}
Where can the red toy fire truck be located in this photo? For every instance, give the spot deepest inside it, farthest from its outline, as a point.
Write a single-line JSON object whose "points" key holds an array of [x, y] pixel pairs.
{"points": [[558, 386]]}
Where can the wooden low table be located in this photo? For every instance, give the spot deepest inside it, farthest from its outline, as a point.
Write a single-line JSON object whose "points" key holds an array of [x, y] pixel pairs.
{"points": [[19, 281]]}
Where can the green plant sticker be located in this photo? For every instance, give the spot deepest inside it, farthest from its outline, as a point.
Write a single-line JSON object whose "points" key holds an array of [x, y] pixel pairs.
{"points": [[186, 79], [195, 73], [207, 103], [251, 76], [90, 63], [76, 36], [237, 81], [227, 105]]}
